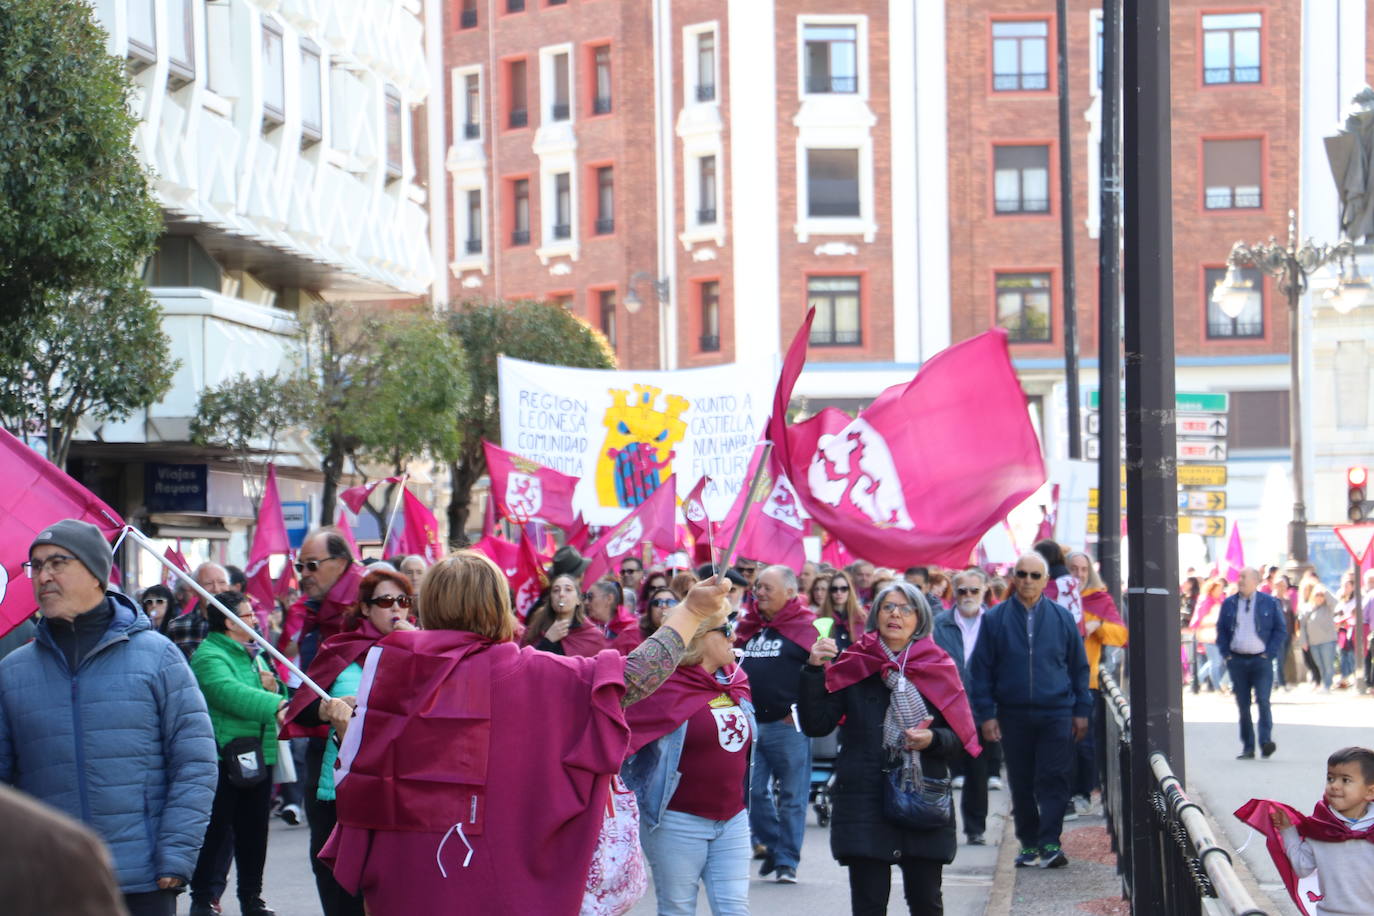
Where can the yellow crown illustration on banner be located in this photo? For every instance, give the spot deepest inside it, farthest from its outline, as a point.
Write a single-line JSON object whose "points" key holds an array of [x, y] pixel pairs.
{"points": [[637, 454]]}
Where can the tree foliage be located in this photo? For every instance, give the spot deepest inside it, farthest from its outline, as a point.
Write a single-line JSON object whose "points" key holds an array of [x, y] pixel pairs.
{"points": [[75, 208], [385, 386], [247, 416], [98, 355], [534, 331]]}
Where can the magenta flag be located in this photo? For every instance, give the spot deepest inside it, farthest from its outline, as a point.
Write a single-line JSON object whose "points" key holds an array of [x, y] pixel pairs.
{"points": [[774, 524], [654, 521], [928, 468], [354, 497], [347, 531], [1235, 555], [833, 552], [580, 534], [269, 538], [36, 494], [527, 491], [420, 535], [694, 509]]}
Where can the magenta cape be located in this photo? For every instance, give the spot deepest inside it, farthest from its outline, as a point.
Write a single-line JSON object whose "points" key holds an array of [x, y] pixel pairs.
{"points": [[927, 666], [1101, 606], [336, 654], [795, 621], [586, 640], [512, 747], [686, 691], [330, 616], [1323, 826]]}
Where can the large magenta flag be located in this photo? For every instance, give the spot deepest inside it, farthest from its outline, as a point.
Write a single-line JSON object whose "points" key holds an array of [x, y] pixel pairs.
{"points": [[526, 491], [420, 535], [36, 494], [928, 468], [654, 521], [269, 538]]}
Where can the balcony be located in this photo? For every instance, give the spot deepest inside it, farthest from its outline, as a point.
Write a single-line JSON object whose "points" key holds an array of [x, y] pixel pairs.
{"points": [[710, 343], [472, 131], [819, 85], [1020, 82], [519, 117], [520, 237], [467, 19], [562, 231], [605, 226], [601, 105], [1234, 328], [1218, 76], [559, 111], [474, 246], [706, 92], [706, 216], [1022, 205], [834, 338]]}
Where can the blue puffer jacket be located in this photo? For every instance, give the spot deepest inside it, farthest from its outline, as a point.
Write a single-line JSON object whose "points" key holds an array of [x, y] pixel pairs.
{"points": [[124, 744]]}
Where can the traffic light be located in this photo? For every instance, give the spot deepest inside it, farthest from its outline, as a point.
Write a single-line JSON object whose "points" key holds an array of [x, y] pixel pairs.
{"points": [[1357, 489]]}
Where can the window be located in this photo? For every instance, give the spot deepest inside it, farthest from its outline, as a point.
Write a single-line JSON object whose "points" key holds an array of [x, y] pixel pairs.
{"points": [[605, 200], [1023, 307], [467, 17], [181, 43], [832, 62], [219, 49], [706, 66], [472, 107], [836, 301], [832, 182], [1250, 321], [562, 300], [393, 132], [180, 261], [474, 240], [1021, 179], [312, 94], [273, 74], [518, 115], [560, 110], [1020, 56], [1231, 48], [520, 195], [142, 35], [515, 6], [1231, 174], [562, 205], [1101, 46], [710, 316], [706, 190], [601, 65], [605, 306]]}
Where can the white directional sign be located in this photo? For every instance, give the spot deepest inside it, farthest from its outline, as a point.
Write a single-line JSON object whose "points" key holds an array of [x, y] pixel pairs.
{"points": [[1201, 425], [1092, 423], [1201, 450], [1201, 500]]}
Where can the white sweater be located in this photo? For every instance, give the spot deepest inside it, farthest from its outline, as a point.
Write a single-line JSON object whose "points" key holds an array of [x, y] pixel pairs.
{"points": [[1345, 870]]}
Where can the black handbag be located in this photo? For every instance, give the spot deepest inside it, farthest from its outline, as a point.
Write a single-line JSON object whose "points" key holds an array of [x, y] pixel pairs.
{"points": [[244, 765], [924, 805]]}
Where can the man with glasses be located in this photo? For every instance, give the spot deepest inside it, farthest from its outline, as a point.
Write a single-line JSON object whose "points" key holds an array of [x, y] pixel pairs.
{"points": [[101, 718], [190, 629], [1029, 690], [956, 631], [631, 575]]}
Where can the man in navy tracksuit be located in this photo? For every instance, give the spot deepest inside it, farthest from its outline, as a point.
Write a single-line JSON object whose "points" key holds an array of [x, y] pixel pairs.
{"points": [[1030, 691], [1250, 633]]}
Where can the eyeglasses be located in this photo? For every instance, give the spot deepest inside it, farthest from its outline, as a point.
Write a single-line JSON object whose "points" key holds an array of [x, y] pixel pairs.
{"points": [[626, 570], [663, 602], [747, 570], [57, 562], [386, 601], [724, 630], [838, 588], [888, 607], [965, 590], [1028, 574], [313, 565]]}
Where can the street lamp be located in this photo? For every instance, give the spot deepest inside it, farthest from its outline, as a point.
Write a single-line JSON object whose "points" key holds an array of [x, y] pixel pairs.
{"points": [[662, 291], [1290, 265]]}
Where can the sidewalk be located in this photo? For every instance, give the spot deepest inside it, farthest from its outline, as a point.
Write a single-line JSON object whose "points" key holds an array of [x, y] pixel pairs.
{"points": [[1088, 885]]}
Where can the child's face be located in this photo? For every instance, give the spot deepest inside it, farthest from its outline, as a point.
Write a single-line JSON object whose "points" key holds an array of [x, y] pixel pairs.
{"points": [[1346, 791]]}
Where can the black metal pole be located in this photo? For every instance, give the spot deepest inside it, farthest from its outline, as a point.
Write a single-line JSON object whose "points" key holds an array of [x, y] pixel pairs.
{"points": [[1151, 487], [1066, 234], [1109, 307]]}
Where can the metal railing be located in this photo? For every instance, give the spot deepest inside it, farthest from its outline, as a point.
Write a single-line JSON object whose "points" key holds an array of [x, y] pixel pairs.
{"points": [[1196, 874]]}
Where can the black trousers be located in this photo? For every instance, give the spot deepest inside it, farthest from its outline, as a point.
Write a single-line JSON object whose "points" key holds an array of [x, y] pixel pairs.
{"points": [[973, 798], [870, 884], [334, 900], [152, 903], [238, 819]]}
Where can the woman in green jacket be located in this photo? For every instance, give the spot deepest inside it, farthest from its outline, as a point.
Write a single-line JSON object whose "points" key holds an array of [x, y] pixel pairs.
{"points": [[245, 701]]}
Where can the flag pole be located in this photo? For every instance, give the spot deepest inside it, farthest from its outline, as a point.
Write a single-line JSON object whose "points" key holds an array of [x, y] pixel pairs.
{"points": [[138, 537], [749, 502], [391, 518]]}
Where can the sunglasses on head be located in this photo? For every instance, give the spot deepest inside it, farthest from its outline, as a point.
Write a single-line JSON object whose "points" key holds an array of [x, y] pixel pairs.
{"points": [[386, 601], [1029, 574]]}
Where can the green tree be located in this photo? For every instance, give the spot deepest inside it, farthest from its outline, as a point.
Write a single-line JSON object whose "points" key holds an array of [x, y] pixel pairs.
{"points": [[75, 208], [96, 355], [247, 416], [534, 331], [385, 385]]}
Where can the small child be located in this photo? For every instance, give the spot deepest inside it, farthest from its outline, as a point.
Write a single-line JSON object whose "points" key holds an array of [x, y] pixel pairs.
{"points": [[1337, 841]]}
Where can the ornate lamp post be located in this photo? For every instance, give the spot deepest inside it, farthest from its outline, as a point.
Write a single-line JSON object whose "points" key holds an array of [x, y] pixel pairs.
{"points": [[1290, 265]]}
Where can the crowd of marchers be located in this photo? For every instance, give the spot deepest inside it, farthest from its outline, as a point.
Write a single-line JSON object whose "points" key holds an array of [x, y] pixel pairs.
{"points": [[662, 721]]}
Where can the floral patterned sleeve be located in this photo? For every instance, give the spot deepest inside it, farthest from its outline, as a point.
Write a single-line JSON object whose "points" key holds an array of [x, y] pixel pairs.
{"points": [[651, 663]]}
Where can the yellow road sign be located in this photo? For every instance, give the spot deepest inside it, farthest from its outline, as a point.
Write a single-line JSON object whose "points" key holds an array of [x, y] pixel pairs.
{"points": [[1093, 497], [1092, 523], [1210, 526], [1202, 475]]}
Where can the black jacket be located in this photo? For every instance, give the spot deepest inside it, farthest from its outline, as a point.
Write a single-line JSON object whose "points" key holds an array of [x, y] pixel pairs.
{"points": [[858, 828]]}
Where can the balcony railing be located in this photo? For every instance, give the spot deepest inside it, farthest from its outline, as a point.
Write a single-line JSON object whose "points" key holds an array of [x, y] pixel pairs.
{"points": [[520, 237], [834, 338], [1022, 82], [1228, 327], [706, 92], [1233, 199], [601, 105], [467, 19], [706, 216], [472, 130], [519, 117], [559, 111], [1214, 76], [605, 226], [562, 231], [832, 83], [1022, 205], [474, 246], [710, 343]]}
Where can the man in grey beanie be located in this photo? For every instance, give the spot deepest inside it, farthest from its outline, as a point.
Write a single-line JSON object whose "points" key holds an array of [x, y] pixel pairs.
{"points": [[101, 718]]}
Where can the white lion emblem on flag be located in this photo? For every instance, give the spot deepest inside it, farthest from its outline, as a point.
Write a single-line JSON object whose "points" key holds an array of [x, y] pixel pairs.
{"points": [[855, 465], [524, 496], [626, 538], [782, 504]]}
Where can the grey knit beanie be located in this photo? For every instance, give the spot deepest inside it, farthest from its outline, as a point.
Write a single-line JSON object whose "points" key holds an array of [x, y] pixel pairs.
{"points": [[85, 542]]}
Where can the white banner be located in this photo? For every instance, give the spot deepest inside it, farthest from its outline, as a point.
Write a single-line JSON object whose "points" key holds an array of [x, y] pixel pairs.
{"points": [[623, 432]]}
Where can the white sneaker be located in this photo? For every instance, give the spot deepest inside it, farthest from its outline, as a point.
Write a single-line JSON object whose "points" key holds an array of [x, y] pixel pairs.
{"points": [[1070, 814], [1083, 804], [995, 783], [958, 782]]}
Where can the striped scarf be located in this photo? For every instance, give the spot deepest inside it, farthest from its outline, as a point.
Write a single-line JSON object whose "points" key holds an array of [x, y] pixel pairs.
{"points": [[907, 709]]}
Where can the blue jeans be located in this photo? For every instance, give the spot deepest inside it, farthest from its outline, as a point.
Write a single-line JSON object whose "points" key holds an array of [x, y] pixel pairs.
{"points": [[1324, 654], [1214, 671], [1252, 673], [685, 850], [1040, 753], [784, 754]]}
